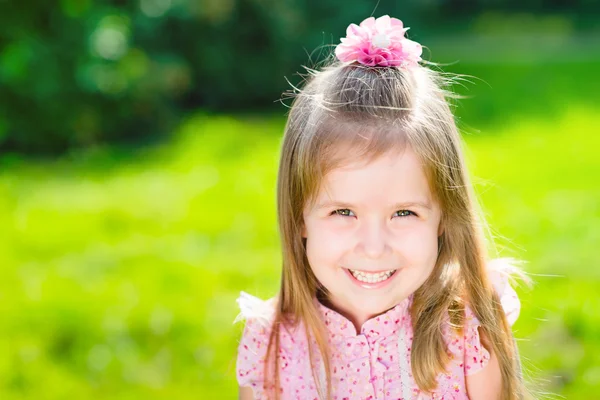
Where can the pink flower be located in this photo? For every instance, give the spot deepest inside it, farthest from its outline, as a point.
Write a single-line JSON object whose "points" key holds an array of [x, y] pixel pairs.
{"points": [[379, 41]]}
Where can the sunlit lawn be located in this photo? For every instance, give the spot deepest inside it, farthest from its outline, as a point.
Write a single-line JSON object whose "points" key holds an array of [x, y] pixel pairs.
{"points": [[120, 268]]}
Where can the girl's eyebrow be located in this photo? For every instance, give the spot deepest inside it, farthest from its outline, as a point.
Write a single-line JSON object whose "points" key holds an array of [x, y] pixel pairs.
{"points": [[405, 204]]}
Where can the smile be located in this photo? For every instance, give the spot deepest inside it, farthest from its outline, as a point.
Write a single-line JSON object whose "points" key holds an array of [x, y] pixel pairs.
{"points": [[372, 277]]}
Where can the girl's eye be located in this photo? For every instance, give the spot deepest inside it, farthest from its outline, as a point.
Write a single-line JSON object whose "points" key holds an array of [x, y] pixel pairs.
{"points": [[404, 213], [344, 212]]}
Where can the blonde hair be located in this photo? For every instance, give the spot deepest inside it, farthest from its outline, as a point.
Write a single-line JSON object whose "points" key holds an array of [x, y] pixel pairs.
{"points": [[371, 110]]}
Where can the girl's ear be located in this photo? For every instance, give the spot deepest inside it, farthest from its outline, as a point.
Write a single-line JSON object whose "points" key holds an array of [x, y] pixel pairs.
{"points": [[440, 229], [303, 230]]}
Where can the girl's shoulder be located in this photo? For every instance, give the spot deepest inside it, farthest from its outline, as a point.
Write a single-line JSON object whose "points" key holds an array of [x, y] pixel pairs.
{"points": [[468, 347], [501, 271], [255, 311], [259, 317]]}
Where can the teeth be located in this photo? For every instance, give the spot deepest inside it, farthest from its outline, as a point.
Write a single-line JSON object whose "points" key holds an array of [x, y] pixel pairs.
{"points": [[372, 278]]}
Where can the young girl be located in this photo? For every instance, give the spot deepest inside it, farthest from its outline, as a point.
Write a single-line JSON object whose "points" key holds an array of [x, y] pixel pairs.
{"points": [[386, 288]]}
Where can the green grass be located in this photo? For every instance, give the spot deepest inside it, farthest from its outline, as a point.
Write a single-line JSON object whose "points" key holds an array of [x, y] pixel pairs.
{"points": [[120, 268]]}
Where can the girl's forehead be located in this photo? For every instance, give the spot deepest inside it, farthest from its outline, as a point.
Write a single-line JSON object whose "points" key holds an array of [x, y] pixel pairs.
{"points": [[351, 162], [397, 174], [343, 148]]}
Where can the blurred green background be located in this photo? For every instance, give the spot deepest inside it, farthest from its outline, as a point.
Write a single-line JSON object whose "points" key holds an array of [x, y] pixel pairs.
{"points": [[138, 153]]}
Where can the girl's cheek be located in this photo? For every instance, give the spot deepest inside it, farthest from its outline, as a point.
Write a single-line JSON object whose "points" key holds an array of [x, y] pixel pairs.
{"points": [[411, 229], [335, 225], [323, 232], [415, 238], [331, 233]]}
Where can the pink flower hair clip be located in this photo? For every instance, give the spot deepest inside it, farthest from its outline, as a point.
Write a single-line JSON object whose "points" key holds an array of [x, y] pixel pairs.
{"points": [[379, 41]]}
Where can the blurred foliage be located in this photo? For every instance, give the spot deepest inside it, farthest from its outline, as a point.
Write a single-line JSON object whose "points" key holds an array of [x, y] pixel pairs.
{"points": [[82, 72]]}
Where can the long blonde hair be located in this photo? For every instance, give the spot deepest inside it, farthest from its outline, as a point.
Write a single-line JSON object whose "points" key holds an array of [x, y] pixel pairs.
{"points": [[372, 110]]}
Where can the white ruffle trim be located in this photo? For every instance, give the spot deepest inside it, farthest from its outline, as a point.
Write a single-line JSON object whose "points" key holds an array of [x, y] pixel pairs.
{"points": [[501, 270], [252, 307]]}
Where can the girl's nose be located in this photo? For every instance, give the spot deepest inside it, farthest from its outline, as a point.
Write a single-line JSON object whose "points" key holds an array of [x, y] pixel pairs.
{"points": [[373, 239]]}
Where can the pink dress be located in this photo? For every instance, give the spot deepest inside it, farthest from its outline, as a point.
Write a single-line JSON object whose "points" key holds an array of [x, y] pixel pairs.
{"points": [[375, 364]]}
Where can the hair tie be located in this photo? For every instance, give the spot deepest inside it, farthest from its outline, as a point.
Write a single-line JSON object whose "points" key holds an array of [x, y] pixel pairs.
{"points": [[379, 41]]}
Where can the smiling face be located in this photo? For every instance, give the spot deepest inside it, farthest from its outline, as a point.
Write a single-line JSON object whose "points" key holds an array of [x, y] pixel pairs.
{"points": [[367, 221]]}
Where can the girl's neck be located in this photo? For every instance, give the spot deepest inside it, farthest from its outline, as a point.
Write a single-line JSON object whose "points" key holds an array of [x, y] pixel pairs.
{"points": [[357, 318]]}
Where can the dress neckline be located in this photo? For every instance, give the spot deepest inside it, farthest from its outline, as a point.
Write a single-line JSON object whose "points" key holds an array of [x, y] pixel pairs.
{"points": [[384, 324]]}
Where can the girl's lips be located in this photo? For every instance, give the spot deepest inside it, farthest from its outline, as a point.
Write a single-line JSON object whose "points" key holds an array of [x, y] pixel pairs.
{"points": [[367, 285]]}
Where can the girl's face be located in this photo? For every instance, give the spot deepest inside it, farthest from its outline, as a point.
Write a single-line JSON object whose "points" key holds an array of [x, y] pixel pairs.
{"points": [[370, 221]]}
